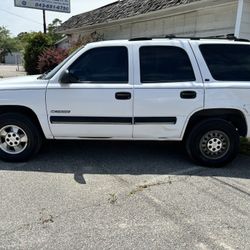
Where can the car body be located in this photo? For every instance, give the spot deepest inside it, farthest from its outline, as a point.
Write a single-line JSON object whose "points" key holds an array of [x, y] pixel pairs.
{"points": [[145, 89]]}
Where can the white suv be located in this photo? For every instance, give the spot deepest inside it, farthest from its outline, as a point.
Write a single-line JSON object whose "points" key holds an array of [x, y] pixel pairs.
{"points": [[195, 90]]}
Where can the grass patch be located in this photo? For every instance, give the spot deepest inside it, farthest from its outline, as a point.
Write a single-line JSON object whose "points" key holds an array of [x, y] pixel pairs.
{"points": [[142, 187], [245, 146]]}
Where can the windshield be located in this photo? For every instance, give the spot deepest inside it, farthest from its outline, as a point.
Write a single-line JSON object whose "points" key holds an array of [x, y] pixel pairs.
{"points": [[48, 75]]}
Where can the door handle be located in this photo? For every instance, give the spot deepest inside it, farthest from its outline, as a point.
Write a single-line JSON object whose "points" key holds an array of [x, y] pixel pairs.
{"points": [[188, 94], [123, 95]]}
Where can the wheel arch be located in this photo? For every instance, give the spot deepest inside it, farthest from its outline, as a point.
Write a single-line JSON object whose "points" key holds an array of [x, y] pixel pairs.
{"points": [[234, 116], [22, 110]]}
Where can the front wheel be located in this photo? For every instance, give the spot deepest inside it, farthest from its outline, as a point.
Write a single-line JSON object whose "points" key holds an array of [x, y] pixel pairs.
{"points": [[213, 143], [20, 139]]}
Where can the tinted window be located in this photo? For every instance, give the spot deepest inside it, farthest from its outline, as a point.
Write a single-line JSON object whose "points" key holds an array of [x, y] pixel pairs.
{"points": [[165, 64], [227, 62], [100, 65]]}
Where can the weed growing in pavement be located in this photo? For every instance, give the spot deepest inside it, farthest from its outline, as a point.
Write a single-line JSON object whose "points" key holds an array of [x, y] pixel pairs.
{"points": [[112, 198]]}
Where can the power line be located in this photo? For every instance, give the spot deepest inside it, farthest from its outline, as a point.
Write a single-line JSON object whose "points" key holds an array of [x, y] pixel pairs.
{"points": [[25, 18]]}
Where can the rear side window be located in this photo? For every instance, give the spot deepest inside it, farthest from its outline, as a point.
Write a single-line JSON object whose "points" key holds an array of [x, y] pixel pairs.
{"points": [[227, 62], [165, 64], [102, 65]]}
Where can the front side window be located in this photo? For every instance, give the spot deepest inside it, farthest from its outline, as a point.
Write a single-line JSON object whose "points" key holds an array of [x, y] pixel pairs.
{"points": [[227, 62], [102, 65], [165, 64]]}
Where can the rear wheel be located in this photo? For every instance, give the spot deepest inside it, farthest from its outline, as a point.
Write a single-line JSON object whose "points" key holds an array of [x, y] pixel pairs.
{"points": [[20, 139], [213, 143]]}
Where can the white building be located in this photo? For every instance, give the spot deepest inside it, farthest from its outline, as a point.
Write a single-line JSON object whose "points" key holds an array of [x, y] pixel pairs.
{"points": [[146, 18]]}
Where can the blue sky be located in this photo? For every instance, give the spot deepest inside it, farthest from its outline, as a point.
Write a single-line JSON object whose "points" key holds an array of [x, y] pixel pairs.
{"points": [[20, 20]]}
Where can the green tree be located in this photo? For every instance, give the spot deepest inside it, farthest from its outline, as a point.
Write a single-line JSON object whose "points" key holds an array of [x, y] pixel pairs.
{"points": [[52, 28], [7, 43], [36, 44], [23, 38]]}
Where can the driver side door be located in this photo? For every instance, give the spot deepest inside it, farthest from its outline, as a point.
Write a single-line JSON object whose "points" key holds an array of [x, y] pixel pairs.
{"points": [[99, 103]]}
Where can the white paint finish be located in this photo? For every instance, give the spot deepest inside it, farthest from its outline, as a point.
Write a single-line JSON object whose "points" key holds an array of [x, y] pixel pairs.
{"points": [[23, 82], [33, 99], [160, 131], [91, 100], [247, 108], [92, 131], [163, 99], [219, 96], [166, 102], [223, 94], [234, 95], [150, 100], [26, 91], [166, 107]]}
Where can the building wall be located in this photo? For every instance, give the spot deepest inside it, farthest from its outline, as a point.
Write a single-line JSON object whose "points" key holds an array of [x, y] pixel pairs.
{"points": [[213, 21], [63, 45], [244, 19], [210, 21]]}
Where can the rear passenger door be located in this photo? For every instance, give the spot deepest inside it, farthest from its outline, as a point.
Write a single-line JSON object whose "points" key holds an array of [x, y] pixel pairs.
{"points": [[167, 90]]}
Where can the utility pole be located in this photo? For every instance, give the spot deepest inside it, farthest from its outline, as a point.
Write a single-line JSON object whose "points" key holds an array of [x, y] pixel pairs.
{"points": [[44, 23]]}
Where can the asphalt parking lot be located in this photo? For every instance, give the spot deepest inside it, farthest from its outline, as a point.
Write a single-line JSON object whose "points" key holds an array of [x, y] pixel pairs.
{"points": [[123, 195]]}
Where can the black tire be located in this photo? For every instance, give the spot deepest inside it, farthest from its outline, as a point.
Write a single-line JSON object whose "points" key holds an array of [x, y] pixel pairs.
{"points": [[207, 137], [33, 138]]}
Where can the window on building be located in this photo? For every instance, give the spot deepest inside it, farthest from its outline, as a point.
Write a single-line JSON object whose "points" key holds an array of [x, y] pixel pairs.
{"points": [[165, 64], [102, 65], [227, 62]]}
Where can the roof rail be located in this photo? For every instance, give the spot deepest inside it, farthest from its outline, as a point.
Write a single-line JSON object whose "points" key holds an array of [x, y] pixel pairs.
{"points": [[171, 36], [238, 39], [230, 37], [140, 39]]}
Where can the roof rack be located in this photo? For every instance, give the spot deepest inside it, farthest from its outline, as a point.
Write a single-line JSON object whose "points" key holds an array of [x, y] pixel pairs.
{"points": [[140, 39], [230, 37], [171, 36]]}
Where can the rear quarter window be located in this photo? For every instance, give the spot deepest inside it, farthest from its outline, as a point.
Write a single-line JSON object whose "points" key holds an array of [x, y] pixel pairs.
{"points": [[227, 62]]}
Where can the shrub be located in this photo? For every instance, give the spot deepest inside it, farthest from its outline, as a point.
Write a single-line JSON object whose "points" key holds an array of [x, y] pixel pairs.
{"points": [[50, 58], [36, 44]]}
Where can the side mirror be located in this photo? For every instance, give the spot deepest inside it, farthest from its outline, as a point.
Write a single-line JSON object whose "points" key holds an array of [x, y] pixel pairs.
{"points": [[68, 77]]}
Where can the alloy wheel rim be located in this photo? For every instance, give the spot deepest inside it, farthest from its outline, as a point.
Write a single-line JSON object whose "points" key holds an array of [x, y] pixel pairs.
{"points": [[13, 139]]}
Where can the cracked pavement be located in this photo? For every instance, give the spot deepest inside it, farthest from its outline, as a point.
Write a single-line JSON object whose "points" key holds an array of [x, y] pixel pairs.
{"points": [[123, 195]]}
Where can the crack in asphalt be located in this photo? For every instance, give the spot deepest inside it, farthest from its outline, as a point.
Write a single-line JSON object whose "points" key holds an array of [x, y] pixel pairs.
{"points": [[219, 199], [160, 206], [173, 214], [231, 186], [43, 222]]}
